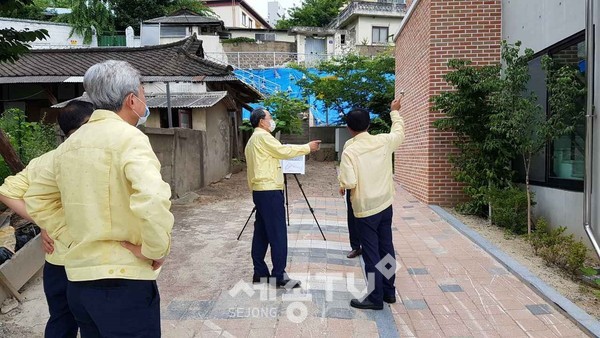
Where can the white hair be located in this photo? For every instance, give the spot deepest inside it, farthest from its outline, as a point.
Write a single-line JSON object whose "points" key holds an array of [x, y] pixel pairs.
{"points": [[109, 82]]}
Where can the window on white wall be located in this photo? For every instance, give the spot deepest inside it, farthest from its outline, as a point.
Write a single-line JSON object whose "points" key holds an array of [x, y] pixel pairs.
{"points": [[380, 34], [244, 19], [250, 23], [264, 37], [173, 31]]}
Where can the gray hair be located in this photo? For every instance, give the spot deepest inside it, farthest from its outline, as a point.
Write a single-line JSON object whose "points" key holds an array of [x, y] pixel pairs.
{"points": [[109, 82]]}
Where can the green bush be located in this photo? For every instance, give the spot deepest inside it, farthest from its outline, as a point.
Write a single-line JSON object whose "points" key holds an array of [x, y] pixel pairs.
{"points": [[29, 139], [238, 40], [558, 249], [509, 208]]}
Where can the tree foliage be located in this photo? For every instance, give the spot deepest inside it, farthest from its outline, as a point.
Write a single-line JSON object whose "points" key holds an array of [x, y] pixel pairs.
{"points": [[285, 111], [13, 42], [312, 13], [354, 81], [496, 119], [484, 158]]}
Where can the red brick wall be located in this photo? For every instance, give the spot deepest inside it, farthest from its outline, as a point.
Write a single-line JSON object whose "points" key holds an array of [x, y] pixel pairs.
{"points": [[412, 76], [438, 30]]}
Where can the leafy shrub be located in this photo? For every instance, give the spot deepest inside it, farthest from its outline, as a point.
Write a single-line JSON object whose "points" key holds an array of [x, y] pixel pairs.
{"points": [[558, 249], [29, 139], [509, 208], [239, 40]]}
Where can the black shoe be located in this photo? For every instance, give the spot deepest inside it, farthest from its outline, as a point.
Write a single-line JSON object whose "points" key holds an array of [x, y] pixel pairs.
{"points": [[288, 283], [355, 253], [389, 299], [365, 304], [256, 279]]}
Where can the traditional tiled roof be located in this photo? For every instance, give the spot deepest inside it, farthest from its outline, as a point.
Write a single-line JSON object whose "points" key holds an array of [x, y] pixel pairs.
{"points": [[182, 59]]}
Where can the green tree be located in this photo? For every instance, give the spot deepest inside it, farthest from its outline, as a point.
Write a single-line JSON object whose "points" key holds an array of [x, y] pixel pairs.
{"points": [[354, 81], [285, 111], [87, 15], [483, 162], [29, 139], [195, 6], [312, 13], [132, 12], [518, 116], [13, 42]]}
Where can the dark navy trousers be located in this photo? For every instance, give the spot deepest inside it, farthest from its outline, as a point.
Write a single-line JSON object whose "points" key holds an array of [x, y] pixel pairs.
{"points": [[376, 239], [269, 230], [116, 308], [352, 229], [61, 323]]}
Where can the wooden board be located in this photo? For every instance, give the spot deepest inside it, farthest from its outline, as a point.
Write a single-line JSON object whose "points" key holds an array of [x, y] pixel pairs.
{"points": [[22, 266]]}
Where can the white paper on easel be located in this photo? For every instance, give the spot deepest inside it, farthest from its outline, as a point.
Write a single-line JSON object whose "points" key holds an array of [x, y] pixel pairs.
{"points": [[293, 165]]}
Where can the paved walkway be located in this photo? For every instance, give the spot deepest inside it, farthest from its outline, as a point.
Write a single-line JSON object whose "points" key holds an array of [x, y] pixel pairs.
{"points": [[447, 286]]}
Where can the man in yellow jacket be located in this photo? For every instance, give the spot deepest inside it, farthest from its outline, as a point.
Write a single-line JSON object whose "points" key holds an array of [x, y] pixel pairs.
{"points": [[61, 322], [265, 179], [105, 182], [366, 169]]}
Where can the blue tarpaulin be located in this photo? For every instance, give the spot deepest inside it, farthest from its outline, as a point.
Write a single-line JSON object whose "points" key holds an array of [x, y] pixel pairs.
{"points": [[286, 78]]}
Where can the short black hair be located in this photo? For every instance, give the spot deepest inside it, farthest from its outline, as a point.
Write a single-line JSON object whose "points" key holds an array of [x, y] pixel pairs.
{"points": [[74, 115], [358, 119], [257, 115]]}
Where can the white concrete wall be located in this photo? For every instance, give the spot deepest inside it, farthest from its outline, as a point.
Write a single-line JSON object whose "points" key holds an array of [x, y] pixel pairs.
{"points": [[561, 208], [364, 28], [160, 88], [279, 36], [596, 141], [541, 23], [59, 33]]}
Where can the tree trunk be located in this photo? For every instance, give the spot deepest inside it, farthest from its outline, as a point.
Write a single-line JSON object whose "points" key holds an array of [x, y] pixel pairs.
{"points": [[10, 156], [527, 161]]}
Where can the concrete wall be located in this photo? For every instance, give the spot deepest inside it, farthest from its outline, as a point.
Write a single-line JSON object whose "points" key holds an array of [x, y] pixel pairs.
{"points": [[217, 152], [210, 43], [264, 47], [59, 33], [279, 36], [541, 23], [180, 154]]}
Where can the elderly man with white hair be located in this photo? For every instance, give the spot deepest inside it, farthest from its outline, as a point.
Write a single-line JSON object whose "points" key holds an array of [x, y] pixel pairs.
{"points": [[106, 181]]}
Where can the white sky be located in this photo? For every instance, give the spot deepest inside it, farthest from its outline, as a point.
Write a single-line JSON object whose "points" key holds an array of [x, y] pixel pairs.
{"points": [[261, 6]]}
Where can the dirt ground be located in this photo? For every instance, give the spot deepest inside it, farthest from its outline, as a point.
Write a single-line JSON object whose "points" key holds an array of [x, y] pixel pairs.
{"points": [[519, 249]]}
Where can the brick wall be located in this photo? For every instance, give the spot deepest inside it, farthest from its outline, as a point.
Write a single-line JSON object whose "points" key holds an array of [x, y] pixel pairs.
{"points": [[437, 31]]}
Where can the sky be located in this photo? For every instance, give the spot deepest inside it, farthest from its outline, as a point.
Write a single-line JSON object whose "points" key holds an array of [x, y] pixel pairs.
{"points": [[261, 6]]}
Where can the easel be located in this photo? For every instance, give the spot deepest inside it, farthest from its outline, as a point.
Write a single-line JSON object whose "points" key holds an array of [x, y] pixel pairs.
{"points": [[287, 207]]}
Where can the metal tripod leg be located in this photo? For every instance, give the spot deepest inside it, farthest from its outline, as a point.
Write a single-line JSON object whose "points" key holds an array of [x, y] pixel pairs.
{"points": [[309, 206], [248, 220]]}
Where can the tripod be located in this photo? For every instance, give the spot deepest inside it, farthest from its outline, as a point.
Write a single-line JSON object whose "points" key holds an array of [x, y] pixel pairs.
{"points": [[287, 207]]}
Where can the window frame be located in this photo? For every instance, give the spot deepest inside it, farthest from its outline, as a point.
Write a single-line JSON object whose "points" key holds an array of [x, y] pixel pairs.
{"points": [[379, 28], [244, 19]]}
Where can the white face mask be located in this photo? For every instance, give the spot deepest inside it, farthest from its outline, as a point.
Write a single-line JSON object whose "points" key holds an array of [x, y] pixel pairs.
{"points": [[272, 125], [142, 119]]}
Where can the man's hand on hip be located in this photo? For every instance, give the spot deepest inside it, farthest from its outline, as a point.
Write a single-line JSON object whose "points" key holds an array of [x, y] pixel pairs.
{"points": [[47, 242], [137, 251], [314, 145]]}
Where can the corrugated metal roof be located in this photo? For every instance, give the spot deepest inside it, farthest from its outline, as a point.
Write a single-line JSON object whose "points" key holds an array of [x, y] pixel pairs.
{"points": [[32, 79], [201, 100]]}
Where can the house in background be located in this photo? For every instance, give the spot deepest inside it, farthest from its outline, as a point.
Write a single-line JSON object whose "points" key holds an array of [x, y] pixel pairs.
{"points": [[237, 13], [275, 13], [195, 140], [183, 24]]}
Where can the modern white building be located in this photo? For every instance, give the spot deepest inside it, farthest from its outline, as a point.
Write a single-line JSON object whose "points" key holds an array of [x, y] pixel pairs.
{"points": [[558, 29], [276, 12]]}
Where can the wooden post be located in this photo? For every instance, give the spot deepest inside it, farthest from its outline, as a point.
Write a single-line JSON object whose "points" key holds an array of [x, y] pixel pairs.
{"points": [[8, 153]]}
